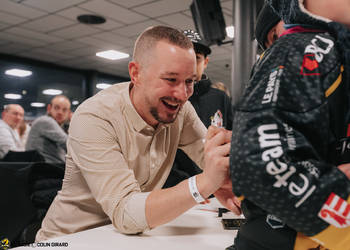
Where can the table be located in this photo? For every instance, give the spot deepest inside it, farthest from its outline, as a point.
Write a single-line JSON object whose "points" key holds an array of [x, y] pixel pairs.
{"points": [[199, 228]]}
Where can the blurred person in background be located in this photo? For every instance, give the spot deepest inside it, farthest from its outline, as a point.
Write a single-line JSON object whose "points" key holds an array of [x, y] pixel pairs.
{"points": [[23, 132], [46, 135], [221, 86], [12, 116]]}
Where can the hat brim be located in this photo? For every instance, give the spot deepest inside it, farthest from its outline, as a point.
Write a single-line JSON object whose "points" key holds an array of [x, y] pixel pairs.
{"points": [[201, 48]]}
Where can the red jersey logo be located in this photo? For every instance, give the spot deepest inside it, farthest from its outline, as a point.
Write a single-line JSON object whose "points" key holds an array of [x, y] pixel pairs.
{"points": [[336, 211], [309, 66]]}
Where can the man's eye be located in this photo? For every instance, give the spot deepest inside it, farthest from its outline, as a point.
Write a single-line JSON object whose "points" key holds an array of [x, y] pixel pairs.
{"points": [[189, 81], [170, 79]]}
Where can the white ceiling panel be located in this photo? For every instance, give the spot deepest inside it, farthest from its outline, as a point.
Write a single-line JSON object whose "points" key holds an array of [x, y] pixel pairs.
{"points": [[136, 29], [84, 51], [21, 10], [52, 5], [66, 45], [39, 56], [10, 18], [103, 45], [3, 25], [130, 3], [48, 23], [73, 13], [33, 35], [13, 47], [51, 53], [116, 39], [164, 7], [178, 20], [113, 11], [21, 40], [78, 30]]}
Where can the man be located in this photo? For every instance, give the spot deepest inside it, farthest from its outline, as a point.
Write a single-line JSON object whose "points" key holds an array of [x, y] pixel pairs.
{"points": [[12, 116], [269, 27], [46, 135], [289, 151], [206, 100], [122, 143]]}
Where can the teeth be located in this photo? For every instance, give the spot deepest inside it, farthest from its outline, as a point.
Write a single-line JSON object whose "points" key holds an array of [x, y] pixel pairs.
{"points": [[173, 105]]}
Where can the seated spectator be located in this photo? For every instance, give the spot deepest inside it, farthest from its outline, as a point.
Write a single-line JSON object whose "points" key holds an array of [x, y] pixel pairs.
{"points": [[46, 135], [12, 116], [23, 132], [221, 86]]}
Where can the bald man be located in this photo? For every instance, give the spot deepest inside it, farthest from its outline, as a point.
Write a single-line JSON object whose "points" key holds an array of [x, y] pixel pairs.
{"points": [[46, 135], [12, 116]]}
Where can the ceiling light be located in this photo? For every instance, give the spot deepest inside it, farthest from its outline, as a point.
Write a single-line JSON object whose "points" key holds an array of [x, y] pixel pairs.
{"points": [[112, 54], [230, 31], [18, 72], [37, 104], [103, 85], [75, 102], [52, 92], [13, 96]]}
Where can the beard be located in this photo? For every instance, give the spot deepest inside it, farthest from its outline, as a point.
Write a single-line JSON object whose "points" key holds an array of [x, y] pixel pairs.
{"points": [[170, 118]]}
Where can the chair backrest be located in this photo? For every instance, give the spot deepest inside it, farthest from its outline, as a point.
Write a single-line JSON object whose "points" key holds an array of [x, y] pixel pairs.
{"points": [[16, 208], [25, 156]]}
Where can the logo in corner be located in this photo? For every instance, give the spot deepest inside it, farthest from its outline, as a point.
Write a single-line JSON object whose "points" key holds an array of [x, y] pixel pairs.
{"points": [[4, 244], [336, 211]]}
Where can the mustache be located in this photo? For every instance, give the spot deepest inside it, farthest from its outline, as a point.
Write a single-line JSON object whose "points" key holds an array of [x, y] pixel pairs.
{"points": [[171, 99]]}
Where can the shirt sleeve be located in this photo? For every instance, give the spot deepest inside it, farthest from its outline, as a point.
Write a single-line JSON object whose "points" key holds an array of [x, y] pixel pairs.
{"points": [[283, 138], [94, 147], [6, 143], [193, 136], [52, 131]]}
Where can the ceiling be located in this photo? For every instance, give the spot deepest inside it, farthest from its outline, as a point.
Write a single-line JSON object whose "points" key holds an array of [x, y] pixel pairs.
{"points": [[48, 30]]}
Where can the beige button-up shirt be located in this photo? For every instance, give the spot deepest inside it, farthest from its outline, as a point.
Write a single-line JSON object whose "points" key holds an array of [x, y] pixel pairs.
{"points": [[114, 159]]}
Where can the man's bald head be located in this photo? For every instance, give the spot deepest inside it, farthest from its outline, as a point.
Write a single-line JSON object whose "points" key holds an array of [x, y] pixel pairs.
{"points": [[59, 108], [13, 115], [147, 41]]}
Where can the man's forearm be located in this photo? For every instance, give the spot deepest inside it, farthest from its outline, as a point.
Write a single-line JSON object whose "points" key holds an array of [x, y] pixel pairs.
{"points": [[165, 205]]}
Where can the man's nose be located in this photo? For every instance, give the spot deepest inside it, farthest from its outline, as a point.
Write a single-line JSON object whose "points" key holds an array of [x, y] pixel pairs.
{"points": [[181, 92]]}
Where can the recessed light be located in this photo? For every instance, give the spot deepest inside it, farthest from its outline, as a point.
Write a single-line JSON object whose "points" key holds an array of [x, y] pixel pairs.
{"points": [[112, 54], [52, 92], [91, 19], [18, 72], [75, 102], [230, 31], [103, 85], [13, 96], [37, 104]]}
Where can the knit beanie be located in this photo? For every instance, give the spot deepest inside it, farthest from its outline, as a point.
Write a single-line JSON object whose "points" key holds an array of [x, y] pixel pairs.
{"points": [[266, 20]]}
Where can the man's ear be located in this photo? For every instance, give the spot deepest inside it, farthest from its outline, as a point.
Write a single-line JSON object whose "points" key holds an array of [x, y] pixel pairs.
{"points": [[206, 61], [134, 72], [48, 108]]}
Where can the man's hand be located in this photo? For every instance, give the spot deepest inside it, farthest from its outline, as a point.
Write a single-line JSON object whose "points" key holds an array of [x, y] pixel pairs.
{"points": [[226, 197], [216, 160], [345, 168]]}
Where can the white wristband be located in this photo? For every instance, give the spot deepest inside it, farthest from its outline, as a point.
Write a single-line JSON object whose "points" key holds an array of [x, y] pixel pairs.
{"points": [[194, 190]]}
